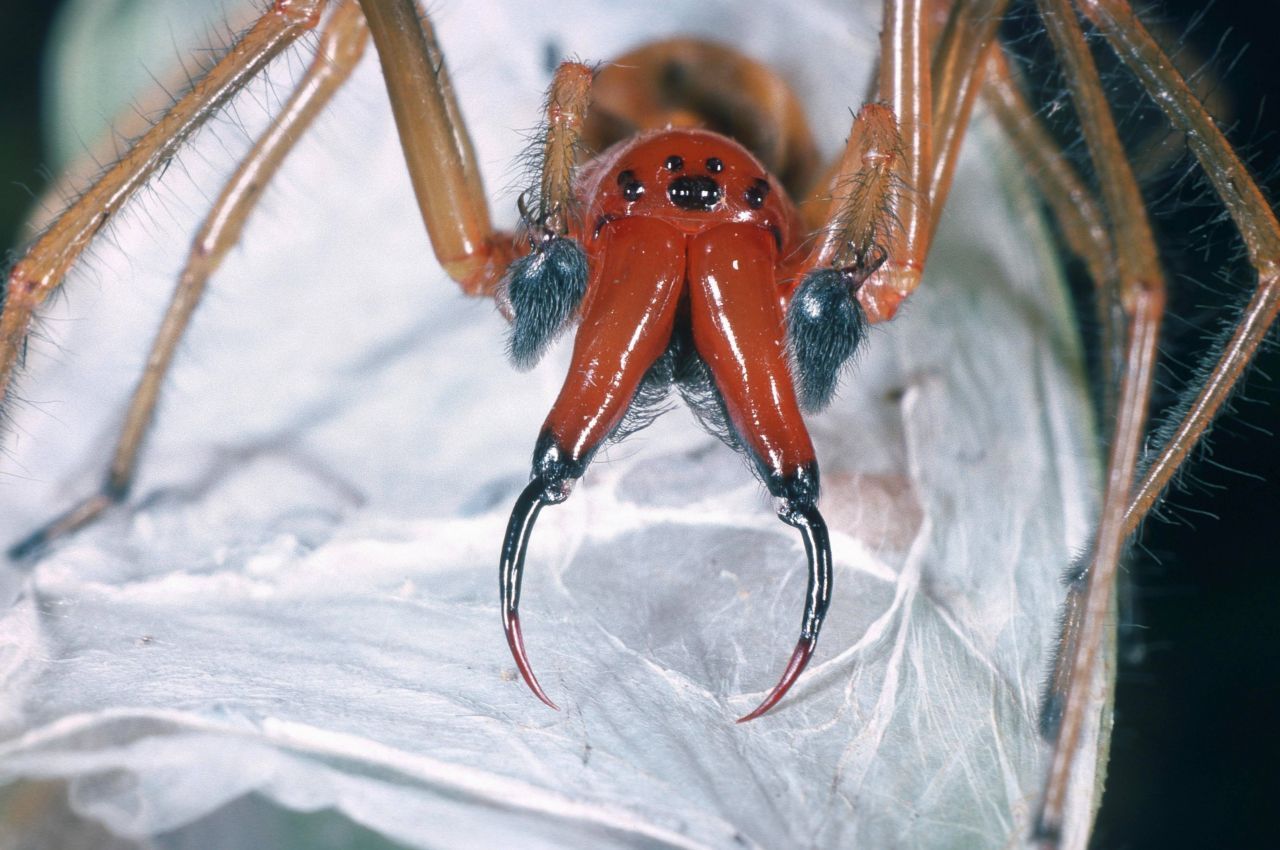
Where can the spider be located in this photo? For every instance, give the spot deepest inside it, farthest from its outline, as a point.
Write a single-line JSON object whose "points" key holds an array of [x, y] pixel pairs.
{"points": [[873, 227]]}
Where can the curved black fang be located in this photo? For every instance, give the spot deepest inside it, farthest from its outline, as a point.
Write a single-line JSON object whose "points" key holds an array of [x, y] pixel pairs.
{"points": [[817, 549], [510, 572], [694, 193]]}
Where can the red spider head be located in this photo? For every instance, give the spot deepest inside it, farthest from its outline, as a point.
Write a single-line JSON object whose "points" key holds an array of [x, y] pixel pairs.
{"points": [[691, 179]]}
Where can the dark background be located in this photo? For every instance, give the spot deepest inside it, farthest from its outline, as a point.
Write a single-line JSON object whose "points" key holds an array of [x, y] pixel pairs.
{"points": [[1195, 757]]}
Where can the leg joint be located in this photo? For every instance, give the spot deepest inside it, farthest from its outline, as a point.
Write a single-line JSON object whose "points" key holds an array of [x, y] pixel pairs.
{"points": [[304, 12]]}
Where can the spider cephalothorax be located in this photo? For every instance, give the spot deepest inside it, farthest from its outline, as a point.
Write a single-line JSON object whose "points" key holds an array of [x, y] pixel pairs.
{"points": [[682, 271]]}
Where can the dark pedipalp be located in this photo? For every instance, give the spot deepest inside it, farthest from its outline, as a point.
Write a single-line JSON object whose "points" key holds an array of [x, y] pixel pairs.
{"points": [[545, 289], [825, 324]]}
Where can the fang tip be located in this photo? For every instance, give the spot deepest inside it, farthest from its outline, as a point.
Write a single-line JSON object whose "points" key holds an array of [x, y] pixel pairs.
{"points": [[817, 547], [510, 574], [799, 659], [515, 640]]}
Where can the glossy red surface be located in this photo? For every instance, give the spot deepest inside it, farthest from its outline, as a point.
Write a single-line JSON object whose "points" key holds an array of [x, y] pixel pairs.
{"points": [[646, 156], [689, 217], [628, 315]]}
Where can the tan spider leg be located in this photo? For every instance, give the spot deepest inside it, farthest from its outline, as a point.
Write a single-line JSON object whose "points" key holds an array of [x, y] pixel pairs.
{"points": [[341, 45], [1083, 227], [905, 84], [958, 66], [567, 104], [854, 234], [437, 148], [1142, 296], [1250, 211], [968, 32], [41, 270], [1073, 205]]}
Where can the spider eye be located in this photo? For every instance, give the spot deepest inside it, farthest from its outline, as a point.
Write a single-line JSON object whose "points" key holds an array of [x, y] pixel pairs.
{"points": [[632, 189], [714, 165], [674, 163], [757, 193], [694, 193]]}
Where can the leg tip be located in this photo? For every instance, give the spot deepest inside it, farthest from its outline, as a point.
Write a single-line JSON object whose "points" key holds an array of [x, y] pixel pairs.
{"points": [[1051, 710], [28, 546], [1046, 833], [73, 520]]}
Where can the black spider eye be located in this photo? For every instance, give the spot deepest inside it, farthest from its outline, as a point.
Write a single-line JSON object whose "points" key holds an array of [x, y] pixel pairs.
{"points": [[714, 165], [632, 189], [674, 163], [757, 193]]}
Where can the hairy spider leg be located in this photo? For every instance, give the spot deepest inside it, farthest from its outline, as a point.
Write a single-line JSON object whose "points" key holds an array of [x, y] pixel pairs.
{"points": [[968, 37], [1072, 204], [1143, 301], [1141, 294], [341, 44], [43, 267], [906, 85], [636, 284], [1252, 214], [437, 148]]}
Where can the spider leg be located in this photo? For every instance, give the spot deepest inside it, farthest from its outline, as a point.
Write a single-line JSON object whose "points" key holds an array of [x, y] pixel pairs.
{"points": [[859, 215], [627, 322], [545, 287], [42, 268], [736, 321], [1252, 214], [1142, 297], [437, 148], [929, 124], [1074, 208], [968, 36], [906, 85], [341, 45]]}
